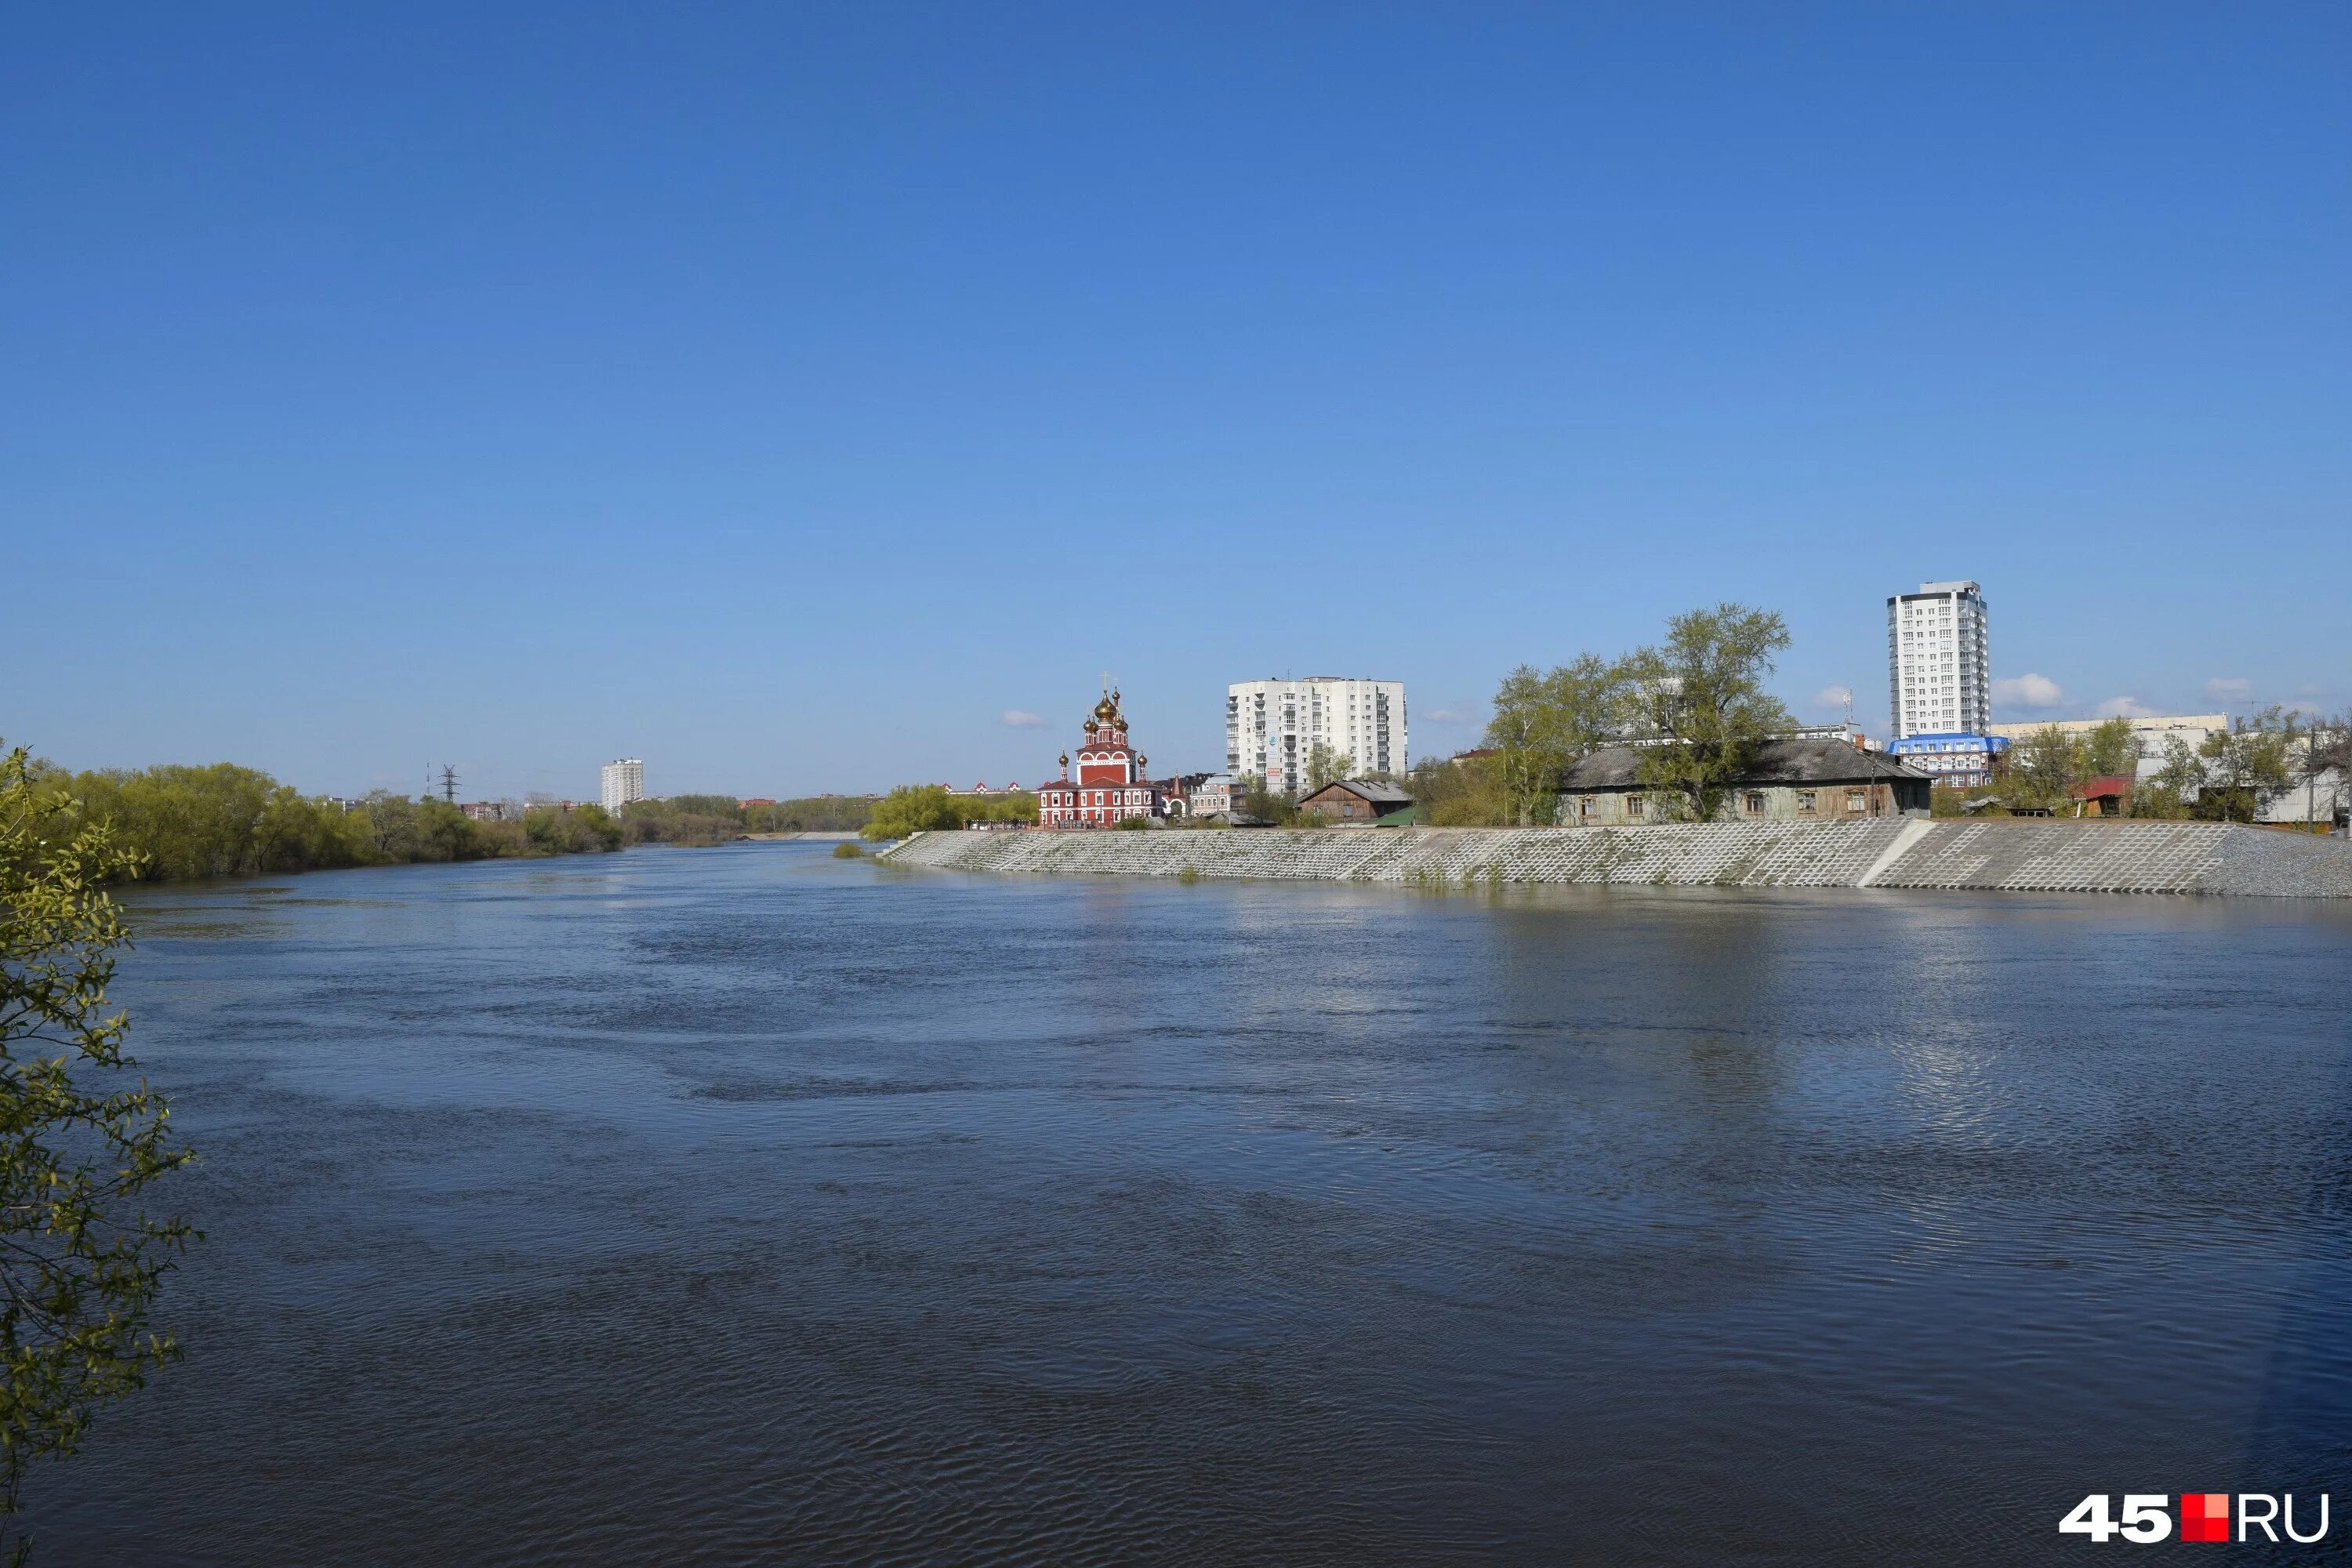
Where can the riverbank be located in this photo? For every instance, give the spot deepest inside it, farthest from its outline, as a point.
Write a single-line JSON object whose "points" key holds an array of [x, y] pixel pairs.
{"points": [[2018, 856]]}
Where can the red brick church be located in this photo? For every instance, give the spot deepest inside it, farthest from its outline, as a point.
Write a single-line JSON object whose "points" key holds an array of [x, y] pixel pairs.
{"points": [[1110, 784]]}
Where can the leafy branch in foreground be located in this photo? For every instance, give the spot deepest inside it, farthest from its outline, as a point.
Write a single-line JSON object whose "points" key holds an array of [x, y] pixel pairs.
{"points": [[81, 1259]]}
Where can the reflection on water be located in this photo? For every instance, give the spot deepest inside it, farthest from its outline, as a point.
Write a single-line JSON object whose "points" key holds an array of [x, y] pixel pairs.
{"points": [[748, 1206]]}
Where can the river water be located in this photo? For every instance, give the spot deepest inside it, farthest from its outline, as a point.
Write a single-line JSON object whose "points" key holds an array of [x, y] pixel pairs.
{"points": [[747, 1205]]}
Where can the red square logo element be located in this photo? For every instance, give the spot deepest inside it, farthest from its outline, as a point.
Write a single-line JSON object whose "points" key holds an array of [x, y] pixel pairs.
{"points": [[2204, 1516]]}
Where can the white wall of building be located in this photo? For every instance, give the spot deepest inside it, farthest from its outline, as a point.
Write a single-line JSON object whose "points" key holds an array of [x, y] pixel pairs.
{"points": [[625, 781], [1272, 726], [1938, 672]]}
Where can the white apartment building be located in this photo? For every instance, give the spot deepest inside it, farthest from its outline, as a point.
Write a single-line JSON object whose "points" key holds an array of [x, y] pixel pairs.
{"points": [[1272, 727], [625, 781], [1938, 681]]}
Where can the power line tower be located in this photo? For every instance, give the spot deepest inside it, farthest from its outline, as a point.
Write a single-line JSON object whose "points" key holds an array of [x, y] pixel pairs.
{"points": [[449, 784]]}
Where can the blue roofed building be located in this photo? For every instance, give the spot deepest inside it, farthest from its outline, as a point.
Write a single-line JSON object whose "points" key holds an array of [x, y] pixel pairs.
{"points": [[1953, 757]]}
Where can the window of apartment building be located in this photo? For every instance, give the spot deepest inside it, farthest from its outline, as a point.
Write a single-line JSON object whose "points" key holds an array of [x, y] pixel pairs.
{"points": [[1585, 806], [1633, 804], [1755, 803], [1805, 799], [1856, 800]]}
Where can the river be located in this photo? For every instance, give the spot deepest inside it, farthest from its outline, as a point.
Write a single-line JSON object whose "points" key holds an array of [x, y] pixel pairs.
{"points": [[750, 1206]]}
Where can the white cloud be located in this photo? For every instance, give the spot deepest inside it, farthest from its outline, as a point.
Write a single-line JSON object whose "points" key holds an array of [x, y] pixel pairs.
{"points": [[1833, 697], [2229, 688], [2125, 708], [2028, 690], [1021, 719]]}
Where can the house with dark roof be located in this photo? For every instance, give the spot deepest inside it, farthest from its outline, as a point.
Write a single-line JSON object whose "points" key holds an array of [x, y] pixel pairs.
{"points": [[1791, 780], [1356, 803]]}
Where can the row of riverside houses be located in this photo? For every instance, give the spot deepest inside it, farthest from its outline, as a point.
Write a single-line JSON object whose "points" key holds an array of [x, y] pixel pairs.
{"points": [[1939, 698], [1796, 778]]}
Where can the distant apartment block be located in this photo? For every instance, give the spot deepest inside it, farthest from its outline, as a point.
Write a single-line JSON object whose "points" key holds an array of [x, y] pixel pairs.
{"points": [[625, 781], [1272, 727], [1938, 671]]}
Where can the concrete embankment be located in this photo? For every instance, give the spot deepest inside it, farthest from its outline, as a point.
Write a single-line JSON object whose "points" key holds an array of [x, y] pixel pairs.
{"points": [[2123, 857]]}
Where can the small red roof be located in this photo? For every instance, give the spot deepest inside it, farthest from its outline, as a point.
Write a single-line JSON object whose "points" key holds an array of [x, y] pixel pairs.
{"points": [[2100, 787]]}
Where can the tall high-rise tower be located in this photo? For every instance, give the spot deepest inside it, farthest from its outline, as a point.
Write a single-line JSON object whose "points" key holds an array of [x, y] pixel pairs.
{"points": [[625, 781], [1938, 676]]}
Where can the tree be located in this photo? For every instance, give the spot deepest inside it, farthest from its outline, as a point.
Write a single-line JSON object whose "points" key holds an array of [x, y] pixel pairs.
{"points": [[1530, 746], [1265, 803], [1700, 695], [1461, 791], [911, 809], [82, 1261], [2111, 751], [1543, 722], [2327, 750], [391, 825], [2245, 762], [2168, 793], [2045, 769], [1326, 766], [585, 829]]}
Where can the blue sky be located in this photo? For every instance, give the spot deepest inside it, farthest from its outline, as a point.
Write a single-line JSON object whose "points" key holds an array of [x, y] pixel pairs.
{"points": [[787, 393]]}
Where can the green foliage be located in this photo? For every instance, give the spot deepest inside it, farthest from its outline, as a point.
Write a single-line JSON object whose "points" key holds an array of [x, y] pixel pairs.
{"points": [[1467, 791], [817, 814], [582, 830], [1326, 767], [2251, 758], [1945, 800], [1543, 723], [2225, 779], [1261, 801], [82, 1261], [1136, 824], [847, 852], [2111, 751], [1701, 693], [217, 821], [690, 819], [1189, 875], [228, 821], [1020, 805], [2046, 767], [2043, 770], [930, 808], [2171, 793]]}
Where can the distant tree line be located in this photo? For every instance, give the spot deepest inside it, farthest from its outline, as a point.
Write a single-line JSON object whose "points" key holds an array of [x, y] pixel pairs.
{"points": [[222, 820], [817, 814]]}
